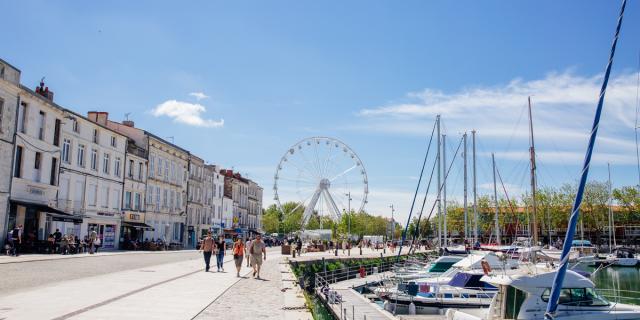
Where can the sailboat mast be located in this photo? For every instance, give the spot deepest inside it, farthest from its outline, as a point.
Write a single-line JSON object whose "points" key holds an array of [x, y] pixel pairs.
{"points": [[444, 188], [439, 219], [466, 211], [495, 198], [558, 281], [475, 189], [611, 223], [532, 154]]}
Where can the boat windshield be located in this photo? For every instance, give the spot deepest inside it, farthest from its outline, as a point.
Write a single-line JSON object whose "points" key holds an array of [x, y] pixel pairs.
{"points": [[578, 297]]}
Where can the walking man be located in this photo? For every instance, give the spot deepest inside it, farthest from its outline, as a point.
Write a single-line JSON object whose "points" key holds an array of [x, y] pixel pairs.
{"points": [[207, 247], [247, 246], [221, 245], [93, 237], [257, 252], [16, 240]]}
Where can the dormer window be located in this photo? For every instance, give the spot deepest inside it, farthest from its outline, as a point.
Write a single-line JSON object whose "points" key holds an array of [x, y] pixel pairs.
{"points": [[113, 141], [76, 126], [95, 135]]}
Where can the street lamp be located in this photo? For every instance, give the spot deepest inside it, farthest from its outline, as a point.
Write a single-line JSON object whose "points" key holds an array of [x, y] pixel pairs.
{"points": [[348, 194]]}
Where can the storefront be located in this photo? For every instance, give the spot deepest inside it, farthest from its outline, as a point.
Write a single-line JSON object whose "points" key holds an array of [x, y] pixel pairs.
{"points": [[133, 228], [38, 221], [107, 226]]}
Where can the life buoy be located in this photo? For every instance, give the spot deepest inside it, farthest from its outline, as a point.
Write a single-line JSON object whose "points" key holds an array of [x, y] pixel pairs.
{"points": [[363, 272], [486, 268]]}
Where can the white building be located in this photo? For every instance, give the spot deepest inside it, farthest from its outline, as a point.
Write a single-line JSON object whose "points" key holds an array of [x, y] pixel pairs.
{"points": [[35, 163], [254, 208], [134, 197], [227, 213], [167, 189], [91, 178], [9, 95], [196, 218], [217, 193]]}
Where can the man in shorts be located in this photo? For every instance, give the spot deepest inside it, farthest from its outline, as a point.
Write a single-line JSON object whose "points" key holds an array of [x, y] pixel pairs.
{"points": [[257, 252]]}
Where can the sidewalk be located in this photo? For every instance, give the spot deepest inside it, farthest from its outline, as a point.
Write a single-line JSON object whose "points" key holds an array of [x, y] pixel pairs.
{"points": [[44, 257]]}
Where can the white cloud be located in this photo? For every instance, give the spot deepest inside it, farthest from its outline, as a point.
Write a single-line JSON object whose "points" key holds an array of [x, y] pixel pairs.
{"points": [[186, 113], [199, 95]]}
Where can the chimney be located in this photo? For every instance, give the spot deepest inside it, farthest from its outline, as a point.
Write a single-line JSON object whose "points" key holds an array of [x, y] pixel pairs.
{"points": [[44, 91], [128, 123], [98, 117]]}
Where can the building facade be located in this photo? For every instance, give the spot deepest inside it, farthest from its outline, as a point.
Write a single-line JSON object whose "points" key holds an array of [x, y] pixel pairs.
{"points": [[9, 99], [92, 159], [196, 217], [217, 194], [254, 207], [36, 158], [227, 215], [167, 188], [134, 196]]}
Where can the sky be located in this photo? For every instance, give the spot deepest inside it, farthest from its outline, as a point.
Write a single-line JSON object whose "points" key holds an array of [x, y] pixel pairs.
{"points": [[239, 82]]}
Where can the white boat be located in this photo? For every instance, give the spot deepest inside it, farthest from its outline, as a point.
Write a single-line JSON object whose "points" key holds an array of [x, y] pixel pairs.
{"points": [[437, 267], [623, 257], [525, 297]]}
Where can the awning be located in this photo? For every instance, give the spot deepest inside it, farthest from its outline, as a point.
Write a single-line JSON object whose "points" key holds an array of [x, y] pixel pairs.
{"points": [[39, 207], [137, 225], [65, 217]]}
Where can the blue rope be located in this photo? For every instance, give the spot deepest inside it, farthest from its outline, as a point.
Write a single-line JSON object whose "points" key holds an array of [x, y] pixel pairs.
{"points": [[552, 306]]}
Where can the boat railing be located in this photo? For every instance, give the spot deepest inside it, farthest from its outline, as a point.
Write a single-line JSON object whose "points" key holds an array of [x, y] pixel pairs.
{"points": [[620, 296]]}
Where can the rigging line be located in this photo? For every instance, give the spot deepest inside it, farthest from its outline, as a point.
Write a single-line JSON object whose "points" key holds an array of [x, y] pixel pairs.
{"points": [[404, 233], [636, 123], [424, 201], [424, 163], [513, 212], [515, 128]]}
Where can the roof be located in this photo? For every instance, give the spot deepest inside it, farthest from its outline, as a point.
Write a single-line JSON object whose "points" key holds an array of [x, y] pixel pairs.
{"points": [[10, 65], [165, 141], [543, 280]]}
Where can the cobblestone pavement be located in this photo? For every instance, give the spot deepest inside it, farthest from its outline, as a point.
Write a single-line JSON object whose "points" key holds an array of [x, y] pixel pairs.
{"points": [[251, 298]]}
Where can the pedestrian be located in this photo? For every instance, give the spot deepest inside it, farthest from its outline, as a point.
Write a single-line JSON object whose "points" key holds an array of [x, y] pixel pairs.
{"points": [[299, 247], [238, 255], [220, 253], [93, 237], [16, 240], [257, 252], [247, 246], [208, 246]]}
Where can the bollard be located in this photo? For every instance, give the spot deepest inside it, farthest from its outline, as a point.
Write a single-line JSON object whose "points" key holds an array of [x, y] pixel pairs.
{"points": [[345, 313], [341, 317], [353, 312], [293, 252]]}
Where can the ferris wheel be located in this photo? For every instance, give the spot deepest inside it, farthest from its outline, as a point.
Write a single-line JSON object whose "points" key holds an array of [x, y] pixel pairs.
{"points": [[323, 175]]}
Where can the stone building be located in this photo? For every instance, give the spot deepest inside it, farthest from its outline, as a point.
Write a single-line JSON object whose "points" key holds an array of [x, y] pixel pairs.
{"points": [[9, 99], [217, 193], [195, 202]]}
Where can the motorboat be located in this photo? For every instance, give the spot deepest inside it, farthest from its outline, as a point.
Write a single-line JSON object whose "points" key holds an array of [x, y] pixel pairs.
{"points": [[525, 296], [623, 257], [437, 267]]}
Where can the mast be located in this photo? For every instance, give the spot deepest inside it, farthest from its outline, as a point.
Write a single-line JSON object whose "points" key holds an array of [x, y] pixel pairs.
{"points": [[552, 306], [475, 189], [439, 219], [444, 188], [532, 154], [466, 212], [495, 198], [611, 222]]}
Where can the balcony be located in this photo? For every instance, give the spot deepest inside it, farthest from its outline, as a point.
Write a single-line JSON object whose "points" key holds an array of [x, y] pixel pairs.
{"points": [[70, 206], [136, 151]]}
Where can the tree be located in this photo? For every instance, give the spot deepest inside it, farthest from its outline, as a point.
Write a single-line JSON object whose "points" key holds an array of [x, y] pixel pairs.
{"points": [[271, 219]]}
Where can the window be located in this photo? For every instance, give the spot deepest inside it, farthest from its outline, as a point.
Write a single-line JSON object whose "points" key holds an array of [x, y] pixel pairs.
{"points": [[150, 195], [22, 117], [76, 126], [105, 197], [127, 200], [179, 200], [172, 199], [41, 125], [113, 141], [116, 199], [173, 171], [93, 194], [140, 171], [17, 170], [105, 163], [56, 133], [95, 135], [577, 297], [159, 167], [116, 169], [1, 110], [157, 198], [131, 169], [81, 155], [138, 201], [165, 197], [152, 160], [176, 231], [66, 150], [94, 159], [54, 169], [36, 162], [166, 170]]}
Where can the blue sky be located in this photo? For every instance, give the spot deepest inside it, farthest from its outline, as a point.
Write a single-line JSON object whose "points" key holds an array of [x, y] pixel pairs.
{"points": [[371, 73]]}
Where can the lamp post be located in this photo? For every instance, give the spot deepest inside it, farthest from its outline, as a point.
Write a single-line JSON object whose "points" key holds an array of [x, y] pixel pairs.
{"points": [[348, 194]]}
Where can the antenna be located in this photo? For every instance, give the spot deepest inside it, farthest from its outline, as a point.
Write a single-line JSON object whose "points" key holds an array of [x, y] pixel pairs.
{"points": [[126, 116]]}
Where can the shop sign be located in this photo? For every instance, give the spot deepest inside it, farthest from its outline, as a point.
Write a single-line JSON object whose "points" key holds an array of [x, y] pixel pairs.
{"points": [[106, 214]]}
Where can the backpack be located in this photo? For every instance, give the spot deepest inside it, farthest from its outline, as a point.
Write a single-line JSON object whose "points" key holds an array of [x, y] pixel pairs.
{"points": [[15, 234]]}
